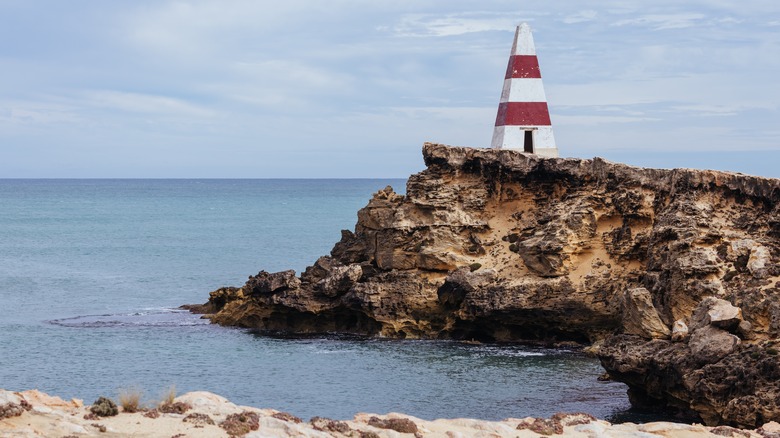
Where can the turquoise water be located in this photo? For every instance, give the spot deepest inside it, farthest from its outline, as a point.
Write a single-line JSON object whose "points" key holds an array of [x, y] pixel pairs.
{"points": [[91, 273]]}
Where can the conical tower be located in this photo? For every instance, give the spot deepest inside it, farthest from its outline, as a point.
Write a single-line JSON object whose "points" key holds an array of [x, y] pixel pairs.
{"points": [[523, 120]]}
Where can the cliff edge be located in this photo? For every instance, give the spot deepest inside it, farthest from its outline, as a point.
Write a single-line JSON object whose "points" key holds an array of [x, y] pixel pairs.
{"points": [[671, 274]]}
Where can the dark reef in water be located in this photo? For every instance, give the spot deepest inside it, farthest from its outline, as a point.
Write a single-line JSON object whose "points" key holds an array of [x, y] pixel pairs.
{"points": [[670, 274]]}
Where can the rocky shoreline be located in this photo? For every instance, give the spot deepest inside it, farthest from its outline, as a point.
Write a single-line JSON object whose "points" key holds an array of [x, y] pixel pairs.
{"points": [[202, 414], [671, 276]]}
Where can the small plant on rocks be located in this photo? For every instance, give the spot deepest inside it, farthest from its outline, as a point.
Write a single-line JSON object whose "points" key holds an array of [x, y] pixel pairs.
{"points": [[241, 423], [284, 416], [104, 407], [198, 419], [174, 408], [402, 425], [152, 413], [328, 425], [169, 405]]}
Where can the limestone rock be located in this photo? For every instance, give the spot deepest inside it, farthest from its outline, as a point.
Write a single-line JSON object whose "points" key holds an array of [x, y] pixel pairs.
{"points": [[214, 416], [679, 331], [758, 260], [710, 344], [557, 243], [716, 312], [265, 283], [640, 317], [339, 280]]}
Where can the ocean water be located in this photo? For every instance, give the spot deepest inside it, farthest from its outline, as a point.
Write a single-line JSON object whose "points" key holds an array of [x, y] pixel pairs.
{"points": [[92, 271]]}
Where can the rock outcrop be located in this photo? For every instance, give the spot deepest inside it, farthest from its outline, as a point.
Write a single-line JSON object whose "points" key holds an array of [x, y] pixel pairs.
{"points": [[675, 271]]}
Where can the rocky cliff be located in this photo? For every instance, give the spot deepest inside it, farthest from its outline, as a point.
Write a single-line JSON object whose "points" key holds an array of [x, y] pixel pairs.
{"points": [[671, 274]]}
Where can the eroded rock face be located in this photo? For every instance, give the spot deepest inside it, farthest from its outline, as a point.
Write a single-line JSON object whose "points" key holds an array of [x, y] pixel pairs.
{"points": [[715, 375], [497, 245]]}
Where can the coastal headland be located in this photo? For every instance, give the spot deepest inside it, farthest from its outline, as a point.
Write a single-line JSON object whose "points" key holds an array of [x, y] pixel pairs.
{"points": [[669, 276]]}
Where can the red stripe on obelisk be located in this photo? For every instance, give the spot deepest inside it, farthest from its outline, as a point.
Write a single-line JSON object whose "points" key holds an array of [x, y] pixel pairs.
{"points": [[523, 66], [523, 114]]}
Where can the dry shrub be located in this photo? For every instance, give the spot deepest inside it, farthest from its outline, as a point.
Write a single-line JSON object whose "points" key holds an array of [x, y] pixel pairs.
{"points": [[104, 407], [169, 405], [130, 400], [169, 395]]}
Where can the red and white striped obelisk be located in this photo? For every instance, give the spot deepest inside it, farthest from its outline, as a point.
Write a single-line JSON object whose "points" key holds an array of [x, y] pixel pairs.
{"points": [[523, 120]]}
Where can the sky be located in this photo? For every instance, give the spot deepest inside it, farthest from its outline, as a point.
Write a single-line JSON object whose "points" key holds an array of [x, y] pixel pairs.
{"points": [[352, 89]]}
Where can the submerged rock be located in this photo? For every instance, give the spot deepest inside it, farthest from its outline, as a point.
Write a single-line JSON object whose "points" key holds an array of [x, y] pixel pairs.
{"points": [[497, 245]]}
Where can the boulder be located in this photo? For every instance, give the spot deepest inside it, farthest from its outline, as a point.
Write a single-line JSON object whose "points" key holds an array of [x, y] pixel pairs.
{"points": [[710, 344], [758, 260], [640, 316], [265, 283], [339, 280], [716, 312], [679, 331]]}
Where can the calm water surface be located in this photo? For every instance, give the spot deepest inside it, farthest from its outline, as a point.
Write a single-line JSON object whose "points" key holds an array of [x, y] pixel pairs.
{"points": [[91, 272]]}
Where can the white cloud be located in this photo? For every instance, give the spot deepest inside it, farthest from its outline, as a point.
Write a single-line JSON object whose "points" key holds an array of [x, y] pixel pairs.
{"points": [[663, 21], [347, 75], [440, 25], [146, 104], [198, 27], [708, 110], [581, 17], [598, 119], [37, 112]]}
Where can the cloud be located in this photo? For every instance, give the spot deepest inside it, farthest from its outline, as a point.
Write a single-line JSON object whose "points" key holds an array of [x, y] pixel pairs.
{"points": [[145, 104], [708, 110], [591, 120], [245, 76], [36, 112], [189, 27], [438, 25], [581, 17], [663, 21]]}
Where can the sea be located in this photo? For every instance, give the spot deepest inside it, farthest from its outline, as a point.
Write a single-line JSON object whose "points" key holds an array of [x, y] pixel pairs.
{"points": [[92, 273]]}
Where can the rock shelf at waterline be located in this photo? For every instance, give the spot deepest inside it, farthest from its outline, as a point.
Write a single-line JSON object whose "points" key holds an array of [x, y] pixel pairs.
{"points": [[203, 414], [670, 275]]}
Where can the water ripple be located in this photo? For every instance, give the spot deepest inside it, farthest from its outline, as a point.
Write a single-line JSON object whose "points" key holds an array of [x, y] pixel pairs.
{"points": [[145, 318]]}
